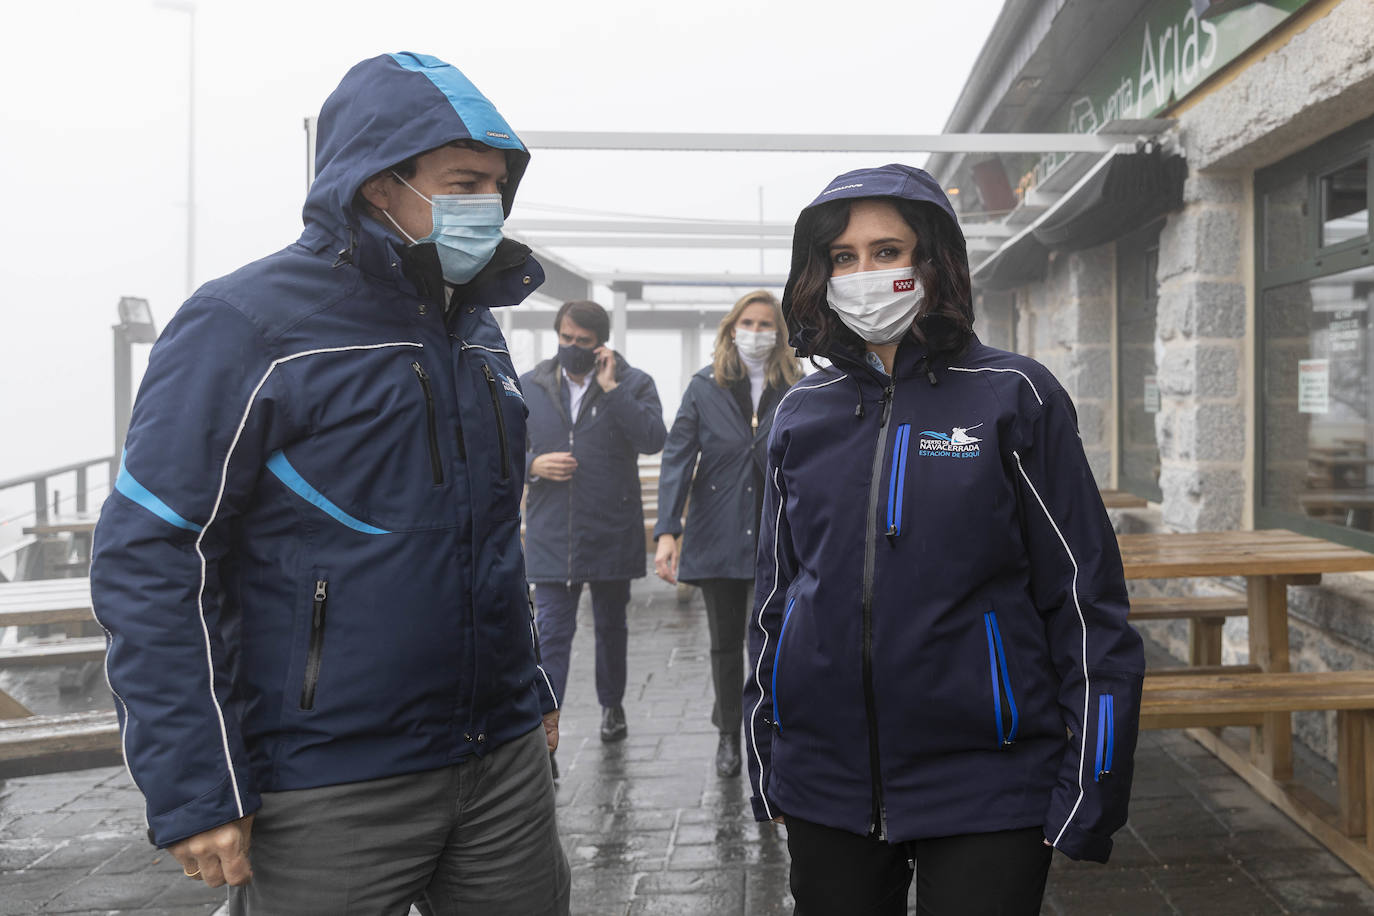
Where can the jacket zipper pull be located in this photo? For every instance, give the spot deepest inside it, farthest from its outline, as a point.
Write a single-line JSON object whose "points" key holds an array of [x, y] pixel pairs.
{"points": [[317, 618], [754, 422], [930, 372]]}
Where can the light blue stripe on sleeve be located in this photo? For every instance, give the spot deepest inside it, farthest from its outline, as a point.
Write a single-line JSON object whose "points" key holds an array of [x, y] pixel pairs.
{"points": [[480, 117], [140, 494], [288, 475]]}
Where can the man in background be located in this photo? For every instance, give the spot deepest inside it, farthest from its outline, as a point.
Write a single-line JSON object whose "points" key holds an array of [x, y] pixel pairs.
{"points": [[591, 416]]}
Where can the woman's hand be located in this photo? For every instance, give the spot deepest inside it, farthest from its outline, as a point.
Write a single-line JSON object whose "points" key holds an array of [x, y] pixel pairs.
{"points": [[665, 559]]}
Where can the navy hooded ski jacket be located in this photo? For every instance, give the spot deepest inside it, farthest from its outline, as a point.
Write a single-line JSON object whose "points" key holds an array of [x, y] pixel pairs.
{"points": [[939, 644], [589, 528], [309, 569]]}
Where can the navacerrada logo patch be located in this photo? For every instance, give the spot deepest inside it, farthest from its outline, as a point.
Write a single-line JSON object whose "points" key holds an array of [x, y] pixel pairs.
{"points": [[957, 444]]}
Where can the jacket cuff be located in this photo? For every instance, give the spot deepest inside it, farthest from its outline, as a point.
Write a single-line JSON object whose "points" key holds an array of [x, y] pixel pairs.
{"points": [[213, 809], [667, 526], [760, 809], [1080, 845]]}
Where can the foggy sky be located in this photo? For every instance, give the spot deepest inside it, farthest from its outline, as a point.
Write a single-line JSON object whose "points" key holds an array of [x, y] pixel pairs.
{"points": [[93, 148]]}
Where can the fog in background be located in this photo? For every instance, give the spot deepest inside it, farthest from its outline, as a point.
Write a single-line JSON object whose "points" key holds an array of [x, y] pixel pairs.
{"points": [[93, 146]]}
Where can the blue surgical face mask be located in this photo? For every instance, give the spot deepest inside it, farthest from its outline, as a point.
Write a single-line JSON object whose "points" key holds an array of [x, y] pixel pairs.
{"points": [[467, 229]]}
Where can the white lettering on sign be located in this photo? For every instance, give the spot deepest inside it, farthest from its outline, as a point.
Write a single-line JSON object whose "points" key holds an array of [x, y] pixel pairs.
{"points": [[1191, 55]]}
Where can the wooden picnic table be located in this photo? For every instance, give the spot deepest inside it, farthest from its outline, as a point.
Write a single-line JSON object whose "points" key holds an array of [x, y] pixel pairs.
{"points": [[1120, 499], [44, 601], [1269, 561], [67, 524]]}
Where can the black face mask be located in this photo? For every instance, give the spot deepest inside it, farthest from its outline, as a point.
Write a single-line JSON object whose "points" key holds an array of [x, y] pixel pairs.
{"points": [[576, 360]]}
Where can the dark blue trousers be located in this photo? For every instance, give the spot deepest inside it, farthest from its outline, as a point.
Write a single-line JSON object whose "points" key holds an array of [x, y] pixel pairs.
{"points": [[555, 612]]}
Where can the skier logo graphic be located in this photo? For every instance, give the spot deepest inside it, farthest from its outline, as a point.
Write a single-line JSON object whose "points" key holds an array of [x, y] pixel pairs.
{"points": [[956, 444]]}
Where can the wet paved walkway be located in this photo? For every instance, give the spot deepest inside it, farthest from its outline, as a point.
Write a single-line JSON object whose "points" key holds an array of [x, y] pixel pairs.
{"points": [[650, 830]]}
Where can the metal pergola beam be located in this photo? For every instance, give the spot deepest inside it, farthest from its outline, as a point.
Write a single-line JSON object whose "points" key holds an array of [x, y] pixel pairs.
{"points": [[766, 281], [662, 241], [826, 143], [658, 319], [656, 227]]}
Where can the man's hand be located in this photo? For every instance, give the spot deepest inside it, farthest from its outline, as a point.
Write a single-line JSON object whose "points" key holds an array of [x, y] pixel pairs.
{"points": [[605, 368], [551, 730], [218, 856], [665, 559], [554, 466]]}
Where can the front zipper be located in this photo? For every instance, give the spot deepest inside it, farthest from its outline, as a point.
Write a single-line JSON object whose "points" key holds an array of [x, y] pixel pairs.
{"points": [[896, 484], [312, 660], [777, 657], [1001, 682], [1106, 735], [495, 388], [879, 813], [436, 464]]}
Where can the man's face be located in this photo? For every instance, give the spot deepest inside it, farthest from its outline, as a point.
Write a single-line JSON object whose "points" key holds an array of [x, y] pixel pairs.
{"points": [[570, 333], [446, 170]]}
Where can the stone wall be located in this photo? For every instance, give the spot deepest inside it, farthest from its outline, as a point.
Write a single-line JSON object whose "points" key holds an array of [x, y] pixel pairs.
{"points": [[1065, 322], [1199, 336]]}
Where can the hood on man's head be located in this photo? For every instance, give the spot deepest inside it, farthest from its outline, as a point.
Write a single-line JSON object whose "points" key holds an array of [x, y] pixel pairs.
{"points": [[389, 108], [893, 180]]}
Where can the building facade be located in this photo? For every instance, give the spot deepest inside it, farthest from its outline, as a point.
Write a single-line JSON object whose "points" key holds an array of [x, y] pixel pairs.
{"points": [[1203, 291]]}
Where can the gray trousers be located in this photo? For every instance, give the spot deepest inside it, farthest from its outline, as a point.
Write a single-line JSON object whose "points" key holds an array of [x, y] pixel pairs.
{"points": [[476, 838]]}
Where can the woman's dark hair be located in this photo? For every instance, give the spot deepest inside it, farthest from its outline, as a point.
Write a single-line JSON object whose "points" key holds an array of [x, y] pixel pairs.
{"points": [[941, 259], [585, 314]]}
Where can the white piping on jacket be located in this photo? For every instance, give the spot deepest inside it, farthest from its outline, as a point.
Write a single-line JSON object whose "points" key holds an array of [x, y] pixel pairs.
{"points": [[763, 650], [214, 511], [534, 642], [1017, 371], [1087, 686]]}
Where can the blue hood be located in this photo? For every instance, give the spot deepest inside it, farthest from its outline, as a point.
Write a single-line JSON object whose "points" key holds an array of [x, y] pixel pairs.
{"points": [[387, 109]]}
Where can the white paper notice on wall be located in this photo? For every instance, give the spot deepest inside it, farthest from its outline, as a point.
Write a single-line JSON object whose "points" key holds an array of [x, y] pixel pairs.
{"points": [[1314, 385], [1151, 394]]}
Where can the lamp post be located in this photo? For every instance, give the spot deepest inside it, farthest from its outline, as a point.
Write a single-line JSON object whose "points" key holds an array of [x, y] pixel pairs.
{"points": [[135, 326], [189, 8]]}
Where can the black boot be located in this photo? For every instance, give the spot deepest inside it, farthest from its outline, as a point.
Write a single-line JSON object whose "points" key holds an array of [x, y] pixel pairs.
{"points": [[727, 755], [613, 724]]}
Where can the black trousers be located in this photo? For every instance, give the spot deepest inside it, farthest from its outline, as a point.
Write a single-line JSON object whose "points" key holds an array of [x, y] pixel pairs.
{"points": [[727, 612], [838, 873]]}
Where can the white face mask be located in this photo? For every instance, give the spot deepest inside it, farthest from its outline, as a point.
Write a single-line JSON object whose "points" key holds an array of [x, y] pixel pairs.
{"points": [[754, 344], [878, 305]]}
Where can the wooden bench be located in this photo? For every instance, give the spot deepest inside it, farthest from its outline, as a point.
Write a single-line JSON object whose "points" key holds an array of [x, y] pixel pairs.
{"points": [[1206, 615], [58, 743], [1204, 702], [1120, 499], [65, 652]]}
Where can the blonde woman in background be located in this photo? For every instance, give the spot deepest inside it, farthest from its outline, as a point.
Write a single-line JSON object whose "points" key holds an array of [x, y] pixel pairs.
{"points": [[721, 434]]}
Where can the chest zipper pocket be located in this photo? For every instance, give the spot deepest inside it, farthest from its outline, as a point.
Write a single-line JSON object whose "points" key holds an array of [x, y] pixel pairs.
{"points": [[318, 607], [495, 388], [1106, 735], [436, 464], [1001, 683], [777, 662]]}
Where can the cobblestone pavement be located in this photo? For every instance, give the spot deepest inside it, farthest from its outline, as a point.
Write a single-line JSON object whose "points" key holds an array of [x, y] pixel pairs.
{"points": [[650, 830]]}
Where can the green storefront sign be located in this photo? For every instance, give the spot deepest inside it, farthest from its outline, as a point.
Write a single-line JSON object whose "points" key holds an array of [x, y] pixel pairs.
{"points": [[1163, 55]]}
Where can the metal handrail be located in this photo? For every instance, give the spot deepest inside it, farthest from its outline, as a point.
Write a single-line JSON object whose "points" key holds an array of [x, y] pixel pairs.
{"points": [[39, 482]]}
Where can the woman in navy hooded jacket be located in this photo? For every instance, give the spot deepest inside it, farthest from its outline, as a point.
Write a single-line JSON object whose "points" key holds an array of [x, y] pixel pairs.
{"points": [[942, 673]]}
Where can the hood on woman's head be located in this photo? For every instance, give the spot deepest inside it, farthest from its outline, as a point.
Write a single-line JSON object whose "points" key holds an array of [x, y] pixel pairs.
{"points": [[914, 191]]}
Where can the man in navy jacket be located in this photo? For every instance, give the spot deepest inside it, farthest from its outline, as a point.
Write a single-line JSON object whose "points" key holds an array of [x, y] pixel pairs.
{"points": [[591, 416], [309, 568]]}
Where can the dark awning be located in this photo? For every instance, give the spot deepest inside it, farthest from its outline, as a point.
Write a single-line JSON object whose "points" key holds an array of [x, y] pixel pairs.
{"points": [[1130, 190], [1123, 190]]}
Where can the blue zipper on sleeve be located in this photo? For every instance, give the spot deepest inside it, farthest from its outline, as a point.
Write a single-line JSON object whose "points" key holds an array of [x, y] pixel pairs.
{"points": [[1001, 681], [1106, 735], [777, 656], [896, 484]]}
